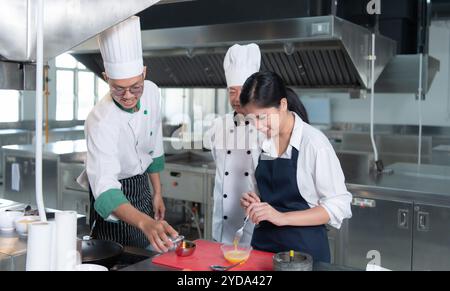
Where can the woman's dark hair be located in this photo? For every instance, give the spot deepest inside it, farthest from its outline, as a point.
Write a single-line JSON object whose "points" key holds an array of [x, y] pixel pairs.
{"points": [[266, 89], [295, 102]]}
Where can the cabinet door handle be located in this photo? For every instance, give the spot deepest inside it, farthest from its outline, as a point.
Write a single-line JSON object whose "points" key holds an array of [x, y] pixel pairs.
{"points": [[364, 203], [403, 217], [175, 174], [423, 221]]}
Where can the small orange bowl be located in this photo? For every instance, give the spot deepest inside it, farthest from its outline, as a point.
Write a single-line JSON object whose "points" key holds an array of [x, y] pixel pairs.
{"points": [[185, 249]]}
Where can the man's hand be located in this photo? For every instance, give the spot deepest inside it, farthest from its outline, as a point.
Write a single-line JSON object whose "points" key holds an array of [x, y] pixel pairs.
{"points": [[158, 233], [158, 207]]}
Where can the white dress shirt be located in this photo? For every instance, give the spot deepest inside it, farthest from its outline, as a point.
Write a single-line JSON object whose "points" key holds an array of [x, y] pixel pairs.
{"points": [[320, 179]]}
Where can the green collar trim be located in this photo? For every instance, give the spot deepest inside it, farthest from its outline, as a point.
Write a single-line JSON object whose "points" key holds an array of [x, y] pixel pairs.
{"points": [[138, 105]]}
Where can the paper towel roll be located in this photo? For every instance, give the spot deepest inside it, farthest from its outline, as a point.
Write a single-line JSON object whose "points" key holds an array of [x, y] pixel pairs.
{"points": [[66, 240], [39, 247]]}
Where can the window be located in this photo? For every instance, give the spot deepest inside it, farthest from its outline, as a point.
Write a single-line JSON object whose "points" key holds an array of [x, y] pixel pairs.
{"points": [[78, 89], [193, 108], [102, 88], [175, 106], [64, 93], [9, 113], [204, 103], [86, 94]]}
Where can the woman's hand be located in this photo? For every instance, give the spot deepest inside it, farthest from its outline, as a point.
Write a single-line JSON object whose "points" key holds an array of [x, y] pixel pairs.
{"points": [[158, 233], [158, 207], [248, 199], [259, 212]]}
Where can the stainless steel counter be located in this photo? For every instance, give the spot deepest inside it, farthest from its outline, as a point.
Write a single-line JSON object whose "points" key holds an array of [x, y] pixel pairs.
{"points": [[67, 151], [13, 131], [66, 133], [68, 129], [195, 161], [13, 247], [441, 155], [7, 203], [408, 182]]}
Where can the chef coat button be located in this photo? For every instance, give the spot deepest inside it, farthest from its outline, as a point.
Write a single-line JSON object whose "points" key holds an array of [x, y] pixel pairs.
{"points": [[226, 173], [225, 217], [246, 174], [151, 133], [249, 152], [229, 152], [251, 130], [225, 196], [231, 130], [247, 122]]}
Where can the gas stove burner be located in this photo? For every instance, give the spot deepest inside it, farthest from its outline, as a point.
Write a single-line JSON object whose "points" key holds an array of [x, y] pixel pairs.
{"points": [[127, 259]]}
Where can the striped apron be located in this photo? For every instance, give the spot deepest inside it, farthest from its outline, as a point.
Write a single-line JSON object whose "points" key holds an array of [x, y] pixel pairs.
{"points": [[137, 191]]}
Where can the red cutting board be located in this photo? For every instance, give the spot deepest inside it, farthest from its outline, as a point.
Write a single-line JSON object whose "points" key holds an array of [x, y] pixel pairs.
{"points": [[209, 253]]}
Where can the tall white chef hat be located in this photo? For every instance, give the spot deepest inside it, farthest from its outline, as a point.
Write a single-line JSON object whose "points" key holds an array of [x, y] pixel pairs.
{"points": [[121, 49], [241, 61]]}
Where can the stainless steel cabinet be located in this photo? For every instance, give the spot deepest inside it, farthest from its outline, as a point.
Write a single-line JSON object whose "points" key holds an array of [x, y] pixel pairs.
{"points": [[183, 185], [73, 196], [380, 227], [19, 168], [190, 177], [76, 201], [190, 185], [5, 262], [13, 136], [431, 248], [407, 235], [19, 180], [333, 241]]}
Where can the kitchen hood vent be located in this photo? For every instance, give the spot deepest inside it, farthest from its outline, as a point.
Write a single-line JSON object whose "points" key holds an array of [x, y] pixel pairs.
{"points": [[67, 24], [402, 74], [322, 52]]}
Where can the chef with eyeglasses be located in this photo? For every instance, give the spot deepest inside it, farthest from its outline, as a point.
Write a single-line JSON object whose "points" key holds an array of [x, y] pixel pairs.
{"points": [[125, 148]]}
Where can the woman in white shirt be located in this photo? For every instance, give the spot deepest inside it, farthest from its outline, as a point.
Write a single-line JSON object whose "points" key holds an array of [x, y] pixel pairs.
{"points": [[299, 177]]}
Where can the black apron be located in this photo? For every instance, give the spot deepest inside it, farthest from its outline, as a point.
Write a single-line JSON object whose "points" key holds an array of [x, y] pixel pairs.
{"points": [[277, 184], [137, 191]]}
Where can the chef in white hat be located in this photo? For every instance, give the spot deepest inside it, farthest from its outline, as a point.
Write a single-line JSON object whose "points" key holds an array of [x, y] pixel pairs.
{"points": [[234, 146], [125, 147]]}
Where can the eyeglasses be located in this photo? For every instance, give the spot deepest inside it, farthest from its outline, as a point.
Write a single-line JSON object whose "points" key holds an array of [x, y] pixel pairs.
{"points": [[136, 90]]}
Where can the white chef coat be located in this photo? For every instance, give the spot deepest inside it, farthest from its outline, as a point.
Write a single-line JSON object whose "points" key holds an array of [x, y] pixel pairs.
{"points": [[235, 149], [319, 174], [121, 144]]}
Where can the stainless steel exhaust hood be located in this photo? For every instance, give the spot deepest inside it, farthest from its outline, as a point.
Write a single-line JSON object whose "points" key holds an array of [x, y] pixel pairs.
{"points": [[67, 24], [323, 52], [402, 74]]}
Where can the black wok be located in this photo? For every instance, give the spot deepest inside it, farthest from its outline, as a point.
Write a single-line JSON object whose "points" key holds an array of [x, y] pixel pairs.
{"points": [[100, 252]]}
